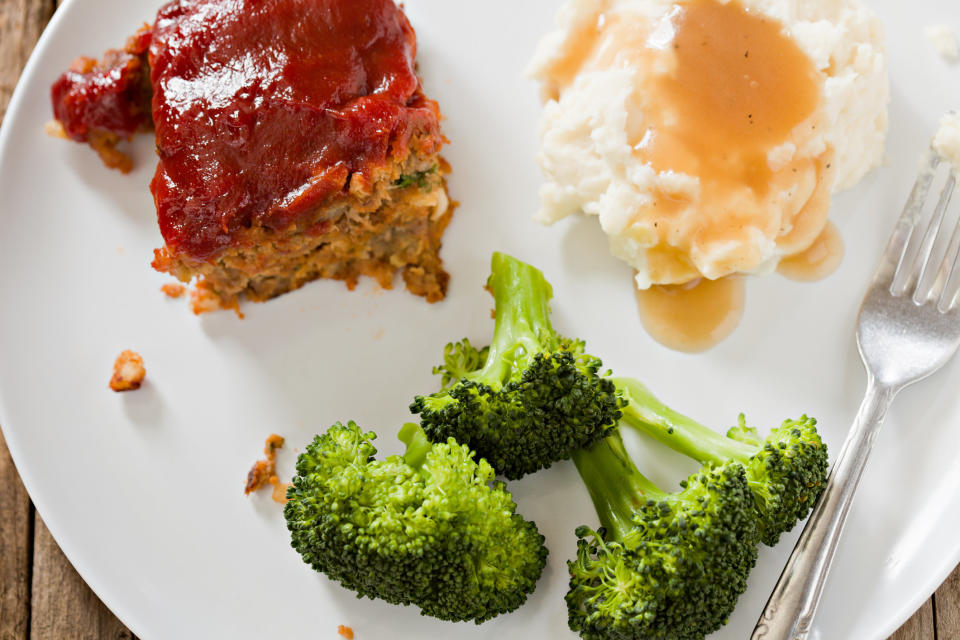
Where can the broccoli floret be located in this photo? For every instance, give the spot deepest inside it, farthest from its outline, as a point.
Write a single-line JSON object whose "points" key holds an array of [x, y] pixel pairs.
{"points": [[787, 470], [428, 528], [459, 359], [532, 397], [662, 566]]}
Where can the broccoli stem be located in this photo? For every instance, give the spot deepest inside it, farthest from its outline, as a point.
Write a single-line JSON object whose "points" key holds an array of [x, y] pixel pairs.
{"points": [[522, 297], [650, 416], [418, 446], [616, 486]]}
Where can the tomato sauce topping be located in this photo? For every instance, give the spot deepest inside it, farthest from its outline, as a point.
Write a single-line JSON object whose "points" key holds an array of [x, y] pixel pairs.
{"points": [[112, 95], [264, 108]]}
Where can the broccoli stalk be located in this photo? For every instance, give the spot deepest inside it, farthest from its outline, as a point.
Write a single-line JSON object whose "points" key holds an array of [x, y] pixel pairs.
{"points": [[428, 528], [663, 566], [616, 487], [529, 399], [787, 470]]}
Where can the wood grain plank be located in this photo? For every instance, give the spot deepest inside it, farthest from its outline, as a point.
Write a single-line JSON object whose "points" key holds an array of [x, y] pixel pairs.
{"points": [[947, 601], [64, 607], [15, 551], [21, 22], [920, 626], [41, 595]]}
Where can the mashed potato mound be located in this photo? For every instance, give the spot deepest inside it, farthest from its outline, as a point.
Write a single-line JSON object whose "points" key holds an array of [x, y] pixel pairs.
{"points": [[708, 135]]}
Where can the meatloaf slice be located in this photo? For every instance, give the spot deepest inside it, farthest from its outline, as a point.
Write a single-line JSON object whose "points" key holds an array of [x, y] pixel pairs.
{"points": [[294, 143]]}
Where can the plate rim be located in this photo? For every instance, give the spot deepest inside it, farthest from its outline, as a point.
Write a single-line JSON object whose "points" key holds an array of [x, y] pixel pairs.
{"points": [[77, 556]]}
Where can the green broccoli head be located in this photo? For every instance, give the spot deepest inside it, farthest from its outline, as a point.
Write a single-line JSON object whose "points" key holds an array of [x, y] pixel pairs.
{"points": [[662, 566], [459, 359], [529, 399], [787, 470], [429, 528]]}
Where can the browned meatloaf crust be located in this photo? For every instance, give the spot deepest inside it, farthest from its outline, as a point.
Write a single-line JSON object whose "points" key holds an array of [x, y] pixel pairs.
{"points": [[395, 225], [294, 141]]}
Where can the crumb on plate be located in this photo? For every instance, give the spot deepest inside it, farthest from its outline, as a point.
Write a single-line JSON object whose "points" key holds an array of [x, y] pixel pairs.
{"points": [[128, 371], [944, 42], [173, 289], [54, 129], [203, 300], [345, 631], [947, 139], [264, 471]]}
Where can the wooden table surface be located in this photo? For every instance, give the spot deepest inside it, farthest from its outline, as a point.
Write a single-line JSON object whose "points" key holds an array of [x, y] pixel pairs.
{"points": [[43, 598]]}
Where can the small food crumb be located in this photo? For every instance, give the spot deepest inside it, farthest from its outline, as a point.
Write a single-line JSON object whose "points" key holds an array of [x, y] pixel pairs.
{"points": [[345, 631], [944, 42], [54, 129], [203, 301], [264, 471], [947, 140], [173, 290], [128, 372]]}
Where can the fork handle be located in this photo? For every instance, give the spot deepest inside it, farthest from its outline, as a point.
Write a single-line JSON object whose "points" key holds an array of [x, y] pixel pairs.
{"points": [[789, 612]]}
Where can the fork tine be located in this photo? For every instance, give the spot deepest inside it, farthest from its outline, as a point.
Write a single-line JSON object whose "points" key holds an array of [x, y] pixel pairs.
{"points": [[891, 262], [946, 271], [950, 269], [921, 264]]}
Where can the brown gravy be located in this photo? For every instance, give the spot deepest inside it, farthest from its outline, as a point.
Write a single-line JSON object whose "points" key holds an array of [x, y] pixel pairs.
{"points": [[736, 88], [726, 86], [741, 95], [692, 317], [818, 261], [739, 87]]}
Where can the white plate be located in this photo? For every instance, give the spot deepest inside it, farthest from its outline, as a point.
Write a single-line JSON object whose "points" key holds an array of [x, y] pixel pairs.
{"points": [[144, 490]]}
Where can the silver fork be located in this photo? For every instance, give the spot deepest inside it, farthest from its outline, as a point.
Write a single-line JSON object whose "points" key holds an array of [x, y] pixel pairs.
{"points": [[909, 326]]}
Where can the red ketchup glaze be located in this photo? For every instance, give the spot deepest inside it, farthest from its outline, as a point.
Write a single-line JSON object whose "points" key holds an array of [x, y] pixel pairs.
{"points": [[264, 108], [112, 95]]}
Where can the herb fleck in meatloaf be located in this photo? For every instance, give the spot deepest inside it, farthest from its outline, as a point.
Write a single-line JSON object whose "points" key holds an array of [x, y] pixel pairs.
{"points": [[294, 139]]}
